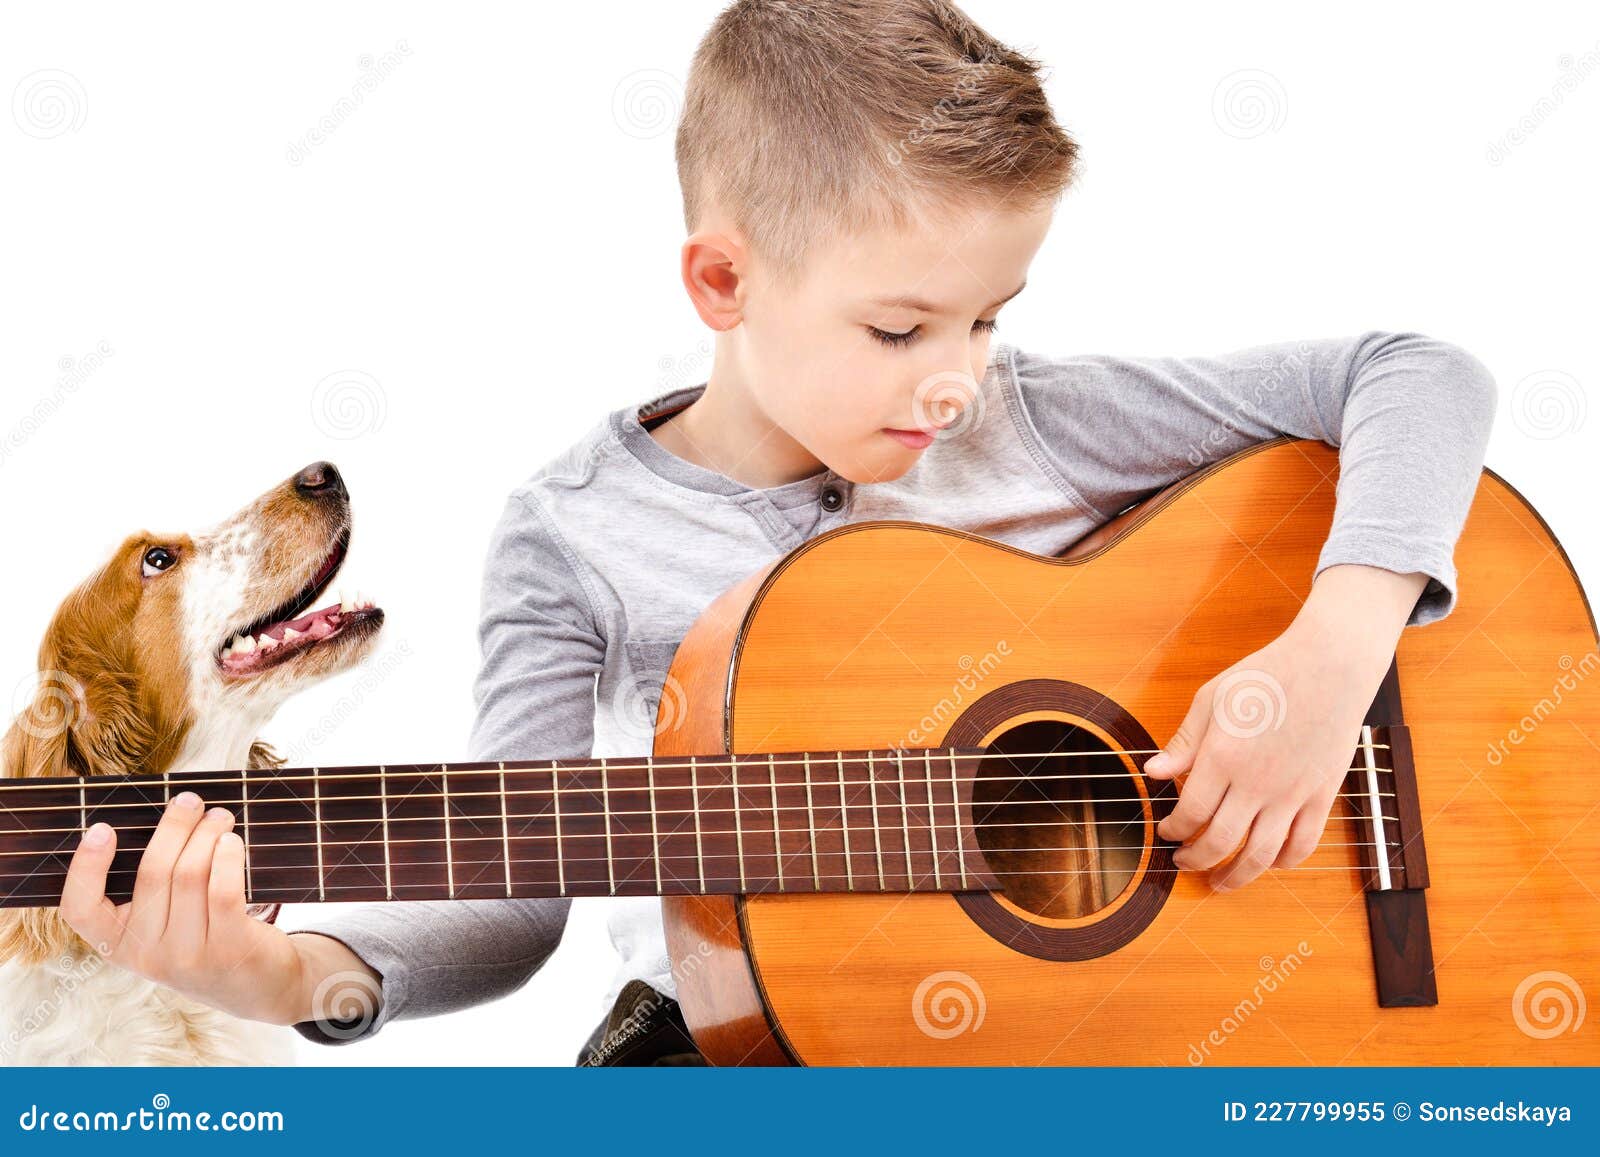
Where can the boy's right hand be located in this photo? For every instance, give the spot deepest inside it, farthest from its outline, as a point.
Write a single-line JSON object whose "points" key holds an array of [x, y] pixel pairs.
{"points": [[186, 926]]}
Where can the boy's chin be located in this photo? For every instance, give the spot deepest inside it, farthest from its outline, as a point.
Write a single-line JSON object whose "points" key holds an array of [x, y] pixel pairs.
{"points": [[882, 468]]}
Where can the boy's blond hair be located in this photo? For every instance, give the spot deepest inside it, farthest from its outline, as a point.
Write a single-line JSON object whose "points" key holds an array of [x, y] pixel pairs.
{"points": [[810, 119]]}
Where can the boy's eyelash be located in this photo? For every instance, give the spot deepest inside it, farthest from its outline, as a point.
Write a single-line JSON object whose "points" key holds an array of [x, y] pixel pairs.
{"points": [[905, 339]]}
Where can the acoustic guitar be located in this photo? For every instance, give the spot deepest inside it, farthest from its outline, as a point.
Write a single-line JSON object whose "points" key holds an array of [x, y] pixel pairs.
{"points": [[897, 814]]}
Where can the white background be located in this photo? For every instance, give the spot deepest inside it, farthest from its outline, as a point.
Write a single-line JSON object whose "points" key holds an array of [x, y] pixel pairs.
{"points": [[481, 260]]}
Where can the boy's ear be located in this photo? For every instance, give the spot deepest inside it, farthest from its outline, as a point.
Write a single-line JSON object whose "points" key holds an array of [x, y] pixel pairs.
{"points": [[714, 274]]}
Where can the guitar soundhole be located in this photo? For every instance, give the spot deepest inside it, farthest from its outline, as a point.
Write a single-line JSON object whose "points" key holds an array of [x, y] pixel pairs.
{"points": [[1071, 892], [1063, 831]]}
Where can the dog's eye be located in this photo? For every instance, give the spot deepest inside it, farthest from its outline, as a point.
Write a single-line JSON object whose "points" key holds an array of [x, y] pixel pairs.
{"points": [[157, 559]]}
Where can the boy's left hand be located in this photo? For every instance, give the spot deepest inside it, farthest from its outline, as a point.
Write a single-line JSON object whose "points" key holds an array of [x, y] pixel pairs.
{"points": [[1268, 742]]}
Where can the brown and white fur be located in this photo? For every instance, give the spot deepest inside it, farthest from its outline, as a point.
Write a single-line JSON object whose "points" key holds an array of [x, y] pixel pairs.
{"points": [[144, 669]]}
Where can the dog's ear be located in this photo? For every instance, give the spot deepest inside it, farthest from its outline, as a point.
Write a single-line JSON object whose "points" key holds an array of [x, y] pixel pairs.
{"points": [[263, 757], [40, 741], [37, 744]]}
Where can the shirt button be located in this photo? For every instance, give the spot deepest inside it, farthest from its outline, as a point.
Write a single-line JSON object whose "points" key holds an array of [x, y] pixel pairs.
{"points": [[832, 499]]}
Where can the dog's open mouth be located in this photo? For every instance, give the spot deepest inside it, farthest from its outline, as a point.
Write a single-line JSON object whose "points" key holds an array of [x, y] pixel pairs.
{"points": [[287, 631]]}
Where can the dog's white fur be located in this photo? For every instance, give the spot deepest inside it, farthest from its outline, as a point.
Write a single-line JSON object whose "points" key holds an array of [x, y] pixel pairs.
{"points": [[130, 683]]}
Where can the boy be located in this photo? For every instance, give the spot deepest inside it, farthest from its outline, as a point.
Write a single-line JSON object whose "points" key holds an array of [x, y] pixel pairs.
{"points": [[865, 185]]}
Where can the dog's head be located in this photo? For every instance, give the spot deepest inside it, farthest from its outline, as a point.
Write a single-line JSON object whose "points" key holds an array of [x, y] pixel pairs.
{"points": [[179, 649]]}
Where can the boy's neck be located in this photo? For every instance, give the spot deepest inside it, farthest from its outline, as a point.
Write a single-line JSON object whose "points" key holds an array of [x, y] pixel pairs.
{"points": [[725, 431]]}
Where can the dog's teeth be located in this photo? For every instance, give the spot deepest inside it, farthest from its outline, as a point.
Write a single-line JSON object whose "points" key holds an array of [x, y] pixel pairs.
{"points": [[266, 642], [290, 634], [242, 645], [228, 650], [346, 603]]}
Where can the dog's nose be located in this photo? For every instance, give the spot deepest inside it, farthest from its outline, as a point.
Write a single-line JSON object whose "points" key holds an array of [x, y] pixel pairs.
{"points": [[321, 480]]}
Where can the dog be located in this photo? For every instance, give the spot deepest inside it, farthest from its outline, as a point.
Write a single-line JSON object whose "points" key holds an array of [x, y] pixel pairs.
{"points": [[172, 657]]}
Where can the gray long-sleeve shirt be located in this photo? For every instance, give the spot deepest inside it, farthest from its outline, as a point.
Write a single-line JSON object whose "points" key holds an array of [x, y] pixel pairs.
{"points": [[605, 556]]}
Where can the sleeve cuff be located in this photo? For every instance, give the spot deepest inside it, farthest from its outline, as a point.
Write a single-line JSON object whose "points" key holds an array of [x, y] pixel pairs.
{"points": [[363, 1024], [1438, 596]]}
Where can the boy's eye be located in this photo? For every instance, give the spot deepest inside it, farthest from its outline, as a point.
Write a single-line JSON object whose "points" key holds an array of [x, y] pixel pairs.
{"points": [[910, 335]]}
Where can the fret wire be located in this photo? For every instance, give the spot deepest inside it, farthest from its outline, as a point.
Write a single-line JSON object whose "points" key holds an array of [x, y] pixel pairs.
{"points": [[383, 796], [844, 824], [877, 836], [655, 838], [905, 814], [605, 807], [933, 818], [811, 821], [449, 865], [244, 811], [83, 817], [738, 822], [955, 818], [505, 827], [316, 798], [555, 795], [694, 803], [777, 843]]}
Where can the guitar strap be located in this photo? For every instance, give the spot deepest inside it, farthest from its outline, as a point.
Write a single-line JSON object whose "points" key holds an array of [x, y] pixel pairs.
{"points": [[644, 1027]]}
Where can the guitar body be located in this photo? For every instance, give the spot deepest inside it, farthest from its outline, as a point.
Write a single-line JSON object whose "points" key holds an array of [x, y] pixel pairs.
{"points": [[901, 634]]}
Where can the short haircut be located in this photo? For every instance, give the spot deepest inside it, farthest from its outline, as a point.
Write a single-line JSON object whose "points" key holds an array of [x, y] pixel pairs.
{"points": [[806, 120]]}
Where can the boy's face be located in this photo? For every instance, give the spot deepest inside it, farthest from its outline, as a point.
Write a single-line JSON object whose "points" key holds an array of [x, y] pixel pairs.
{"points": [[886, 332]]}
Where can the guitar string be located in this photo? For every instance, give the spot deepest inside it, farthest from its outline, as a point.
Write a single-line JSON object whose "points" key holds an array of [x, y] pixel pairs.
{"points": [[575, 816], [743, 760], [605, 813], [755, 784], [259, 895]]}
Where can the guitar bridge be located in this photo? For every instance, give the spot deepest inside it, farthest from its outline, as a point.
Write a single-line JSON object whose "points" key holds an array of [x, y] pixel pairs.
{"points": [[1386, 818]]}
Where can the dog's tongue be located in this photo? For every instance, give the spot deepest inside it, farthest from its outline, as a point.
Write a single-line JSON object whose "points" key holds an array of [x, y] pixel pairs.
{"points": [[318, 624]]}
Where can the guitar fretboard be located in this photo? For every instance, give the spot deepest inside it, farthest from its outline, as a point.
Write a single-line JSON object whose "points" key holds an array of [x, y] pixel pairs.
{"points": [[887, 820]]}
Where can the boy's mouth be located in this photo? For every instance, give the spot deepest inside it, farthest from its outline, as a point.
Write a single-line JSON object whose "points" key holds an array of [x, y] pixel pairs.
{"points": [[915, 439]]}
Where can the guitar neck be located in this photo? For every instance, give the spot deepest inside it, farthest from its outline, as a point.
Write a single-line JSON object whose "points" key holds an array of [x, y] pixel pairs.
{"points": [[884, 820]]}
